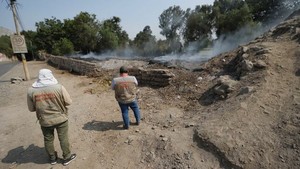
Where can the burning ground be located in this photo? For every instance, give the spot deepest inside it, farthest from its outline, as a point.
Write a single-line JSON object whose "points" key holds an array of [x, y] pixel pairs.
{"points": [[238, 110]]}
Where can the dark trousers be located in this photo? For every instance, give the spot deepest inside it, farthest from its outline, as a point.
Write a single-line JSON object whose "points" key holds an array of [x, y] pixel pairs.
{"points": [[62, 132]]}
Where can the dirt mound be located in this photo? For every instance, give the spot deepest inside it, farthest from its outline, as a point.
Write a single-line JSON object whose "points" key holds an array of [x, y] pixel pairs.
{"points": [[254, 122]]}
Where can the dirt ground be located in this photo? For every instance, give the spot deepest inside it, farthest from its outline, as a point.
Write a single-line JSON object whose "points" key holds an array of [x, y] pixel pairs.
{"points": [[184, 125], [96, 132]]}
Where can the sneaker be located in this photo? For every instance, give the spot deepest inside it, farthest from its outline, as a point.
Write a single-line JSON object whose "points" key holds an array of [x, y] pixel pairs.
{"points": [[71, 158], [137, 123], [54, 161], [125, 127]]}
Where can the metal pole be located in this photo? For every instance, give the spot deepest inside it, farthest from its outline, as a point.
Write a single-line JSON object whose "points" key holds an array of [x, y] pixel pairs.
{"points": [[13, 7]]}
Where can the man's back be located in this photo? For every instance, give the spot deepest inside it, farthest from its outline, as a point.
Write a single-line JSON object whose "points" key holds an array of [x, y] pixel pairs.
{"points": [[49, 103], [125, 88]]}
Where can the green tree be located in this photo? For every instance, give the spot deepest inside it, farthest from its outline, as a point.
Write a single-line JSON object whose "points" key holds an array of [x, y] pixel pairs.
{"points": [[107, 40], [145, 42], [82, 32], [162, 47], [199, 26], [268, 10], [231, 15], [111, 36], [5, 46], [171, 22], [63, 47], [48, 33], [264, 10], [30, 38]]}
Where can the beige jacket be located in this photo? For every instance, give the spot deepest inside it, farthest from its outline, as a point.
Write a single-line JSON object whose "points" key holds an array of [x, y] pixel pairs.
{"points": [[125, 89], [49, 103]]}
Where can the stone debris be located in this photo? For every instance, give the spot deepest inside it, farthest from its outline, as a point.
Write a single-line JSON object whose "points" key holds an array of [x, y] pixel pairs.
{"points": [[16, 80]]}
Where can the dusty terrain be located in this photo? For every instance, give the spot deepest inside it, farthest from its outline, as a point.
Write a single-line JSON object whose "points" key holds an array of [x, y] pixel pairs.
{"points": [[254, 122]]}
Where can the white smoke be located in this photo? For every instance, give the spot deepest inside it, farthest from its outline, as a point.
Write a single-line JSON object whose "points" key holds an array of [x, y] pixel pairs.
{"points": [[224, 43], [126, 53], [190, 57]]}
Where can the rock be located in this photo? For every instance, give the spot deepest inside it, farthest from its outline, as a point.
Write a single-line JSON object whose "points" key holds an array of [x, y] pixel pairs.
{"points": [[260, 64], [15, 80], [199, 78], [245, 56], [244, 105], [255, 48], [165, 139], [220, 90], [262, 51], [245, 49], [189, 125], [246, 65], [262, 57], [226, 85], [246, 90]]}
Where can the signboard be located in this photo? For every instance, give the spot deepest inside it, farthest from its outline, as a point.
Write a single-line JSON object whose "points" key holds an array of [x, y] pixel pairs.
{"points": [[18, 44]]}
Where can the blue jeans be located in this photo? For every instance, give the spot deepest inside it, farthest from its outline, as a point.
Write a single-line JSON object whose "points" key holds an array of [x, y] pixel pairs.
{"points": [[134, 107]]}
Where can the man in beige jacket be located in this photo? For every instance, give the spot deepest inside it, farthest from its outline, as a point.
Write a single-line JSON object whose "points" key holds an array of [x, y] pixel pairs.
{"points": [[125, 87], [49, 100]]}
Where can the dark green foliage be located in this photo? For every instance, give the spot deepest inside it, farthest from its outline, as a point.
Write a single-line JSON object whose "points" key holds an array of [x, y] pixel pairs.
{"points": [[171, 22], [268, 10], [82, 32], [111, 36], [48, 33], [63, 47], [230, 16], [264, 10], [30, 37], [5, 46], [199, 26], [145, 42]]}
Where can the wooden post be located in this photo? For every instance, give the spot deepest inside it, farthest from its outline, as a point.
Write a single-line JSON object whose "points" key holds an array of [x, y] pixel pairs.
{"points": [[13, 7]]}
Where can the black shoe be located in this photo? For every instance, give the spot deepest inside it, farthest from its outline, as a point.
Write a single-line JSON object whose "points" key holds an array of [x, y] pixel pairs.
{"points": [[71, 158], [137, 123], [54, 161], [125, 127]]}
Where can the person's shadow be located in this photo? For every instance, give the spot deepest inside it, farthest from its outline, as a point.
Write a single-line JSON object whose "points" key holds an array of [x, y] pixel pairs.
{"points": [[297, 72], [32, 154], [103, 125]]}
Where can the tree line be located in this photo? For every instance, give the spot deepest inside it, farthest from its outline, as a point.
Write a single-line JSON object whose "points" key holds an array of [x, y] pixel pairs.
{"points": [[197, 27]]}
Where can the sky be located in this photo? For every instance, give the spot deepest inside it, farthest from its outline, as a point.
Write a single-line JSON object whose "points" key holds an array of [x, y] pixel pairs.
{"points": [[134, 14]]}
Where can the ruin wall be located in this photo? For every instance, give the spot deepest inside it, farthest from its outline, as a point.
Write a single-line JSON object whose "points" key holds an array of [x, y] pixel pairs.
{"points": [[145, 77]]}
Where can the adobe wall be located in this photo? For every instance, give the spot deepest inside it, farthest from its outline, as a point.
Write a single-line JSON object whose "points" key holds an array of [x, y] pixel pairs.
{"points": [[147, 77], [152, 77], [73, 65]]}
